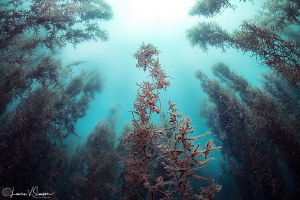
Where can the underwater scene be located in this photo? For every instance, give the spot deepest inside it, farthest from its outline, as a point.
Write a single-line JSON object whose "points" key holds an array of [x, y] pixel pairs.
{"points": [[150, 100]]}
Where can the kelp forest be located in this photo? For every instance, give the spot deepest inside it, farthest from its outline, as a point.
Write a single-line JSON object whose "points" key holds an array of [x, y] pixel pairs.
{"points": [[258, 127], [253, 129]]}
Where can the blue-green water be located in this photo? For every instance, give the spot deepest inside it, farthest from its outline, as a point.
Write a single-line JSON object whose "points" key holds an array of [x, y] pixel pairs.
{"points": [[165, 28], [257, 126]]}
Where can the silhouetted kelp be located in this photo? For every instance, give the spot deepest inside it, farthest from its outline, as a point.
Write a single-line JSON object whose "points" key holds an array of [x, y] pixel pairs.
{"points": [[93, 169], [52, 24], [257, 127], [39, 107], [209, 8], [33, 133], [263, 36], [258, 138]]}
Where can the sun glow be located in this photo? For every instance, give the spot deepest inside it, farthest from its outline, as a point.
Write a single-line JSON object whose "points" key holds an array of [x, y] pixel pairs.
{"points": [[141, 13]]}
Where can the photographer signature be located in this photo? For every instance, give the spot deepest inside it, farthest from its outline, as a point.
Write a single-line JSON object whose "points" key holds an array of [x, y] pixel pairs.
{"points": [[34, 193]]}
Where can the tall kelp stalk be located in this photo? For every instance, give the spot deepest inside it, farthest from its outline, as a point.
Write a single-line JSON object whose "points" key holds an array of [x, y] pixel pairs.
{"points": [[157, 166], [39, 106]]}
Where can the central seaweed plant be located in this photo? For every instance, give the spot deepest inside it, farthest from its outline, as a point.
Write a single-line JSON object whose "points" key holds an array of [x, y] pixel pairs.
{"points": [[154, 162]]}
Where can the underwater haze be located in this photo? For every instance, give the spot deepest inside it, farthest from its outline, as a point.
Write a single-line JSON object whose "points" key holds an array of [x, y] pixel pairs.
{"points": [[163, 24], [137, 99]]}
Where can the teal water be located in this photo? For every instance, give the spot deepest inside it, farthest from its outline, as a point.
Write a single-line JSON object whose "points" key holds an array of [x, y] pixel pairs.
{"points": [[165, 28], [164, 25], [257, 127]]}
